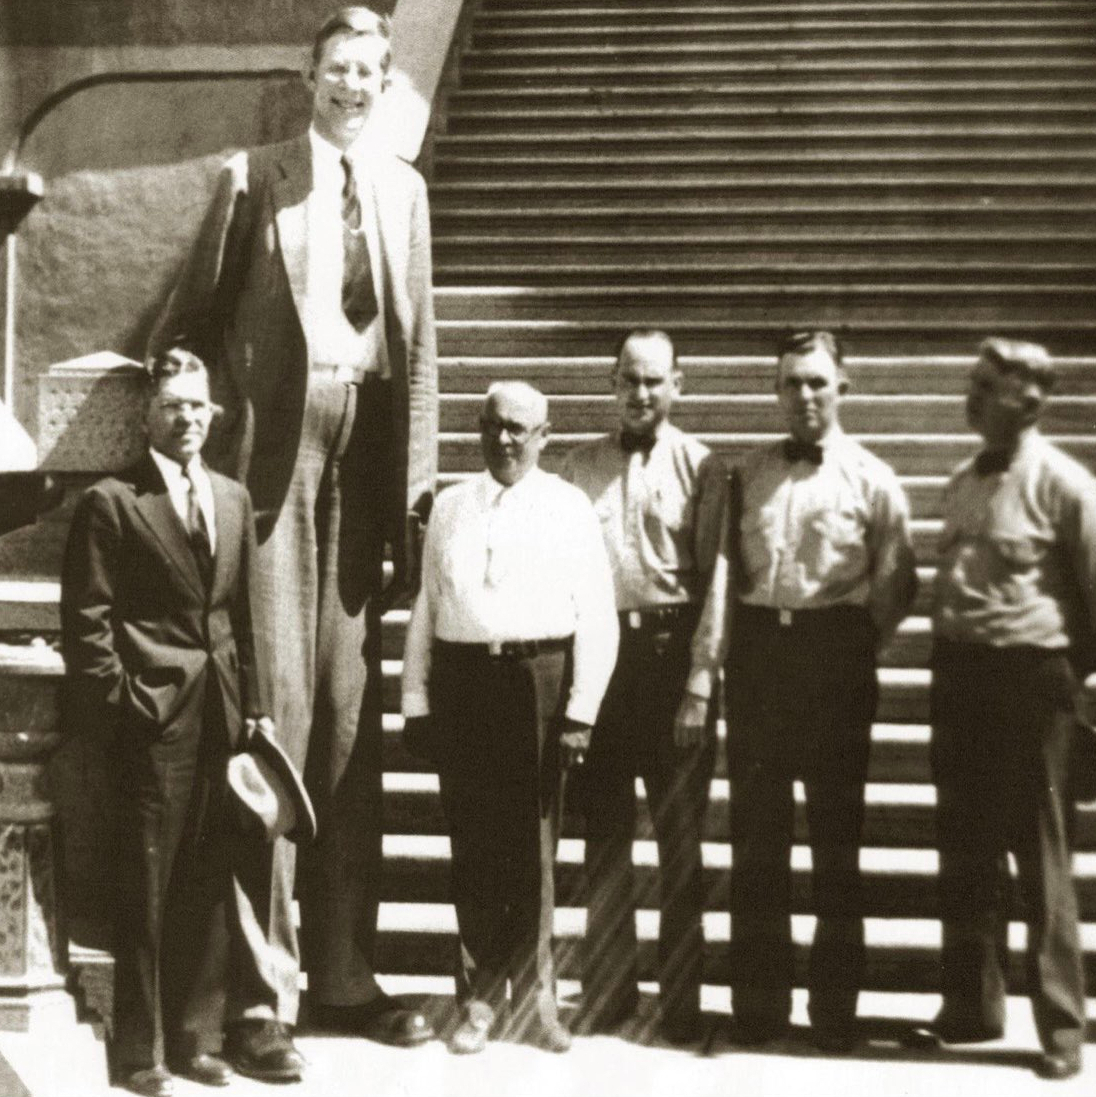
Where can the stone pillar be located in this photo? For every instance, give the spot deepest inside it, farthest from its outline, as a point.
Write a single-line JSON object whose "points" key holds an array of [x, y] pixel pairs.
{"points": [[32, 955]]}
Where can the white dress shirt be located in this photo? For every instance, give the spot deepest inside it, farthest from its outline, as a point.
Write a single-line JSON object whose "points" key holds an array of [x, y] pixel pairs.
{"points": [[178, 489], [525, 562], [332, 339], [810, 537]]}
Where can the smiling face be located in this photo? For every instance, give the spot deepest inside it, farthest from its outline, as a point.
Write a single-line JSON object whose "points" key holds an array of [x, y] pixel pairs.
{"points": [[808, 388], [346, 82], [513, 431], [645, 384], [178, 415]]}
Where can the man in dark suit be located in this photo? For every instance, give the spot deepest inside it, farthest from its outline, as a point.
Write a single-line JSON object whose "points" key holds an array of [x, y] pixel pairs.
{"points": [[157, 638], [309, 293]]}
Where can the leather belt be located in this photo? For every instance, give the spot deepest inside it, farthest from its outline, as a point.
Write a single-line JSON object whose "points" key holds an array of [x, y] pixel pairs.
{"points": [[656, 617], [508, 649]]}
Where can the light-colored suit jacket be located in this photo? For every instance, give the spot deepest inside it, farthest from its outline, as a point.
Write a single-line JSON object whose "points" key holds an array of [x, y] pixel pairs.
{"points": [[239, 303]]}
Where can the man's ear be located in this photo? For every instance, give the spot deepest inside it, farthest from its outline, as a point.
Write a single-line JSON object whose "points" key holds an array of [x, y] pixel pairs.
{"points": [[679, 382]]}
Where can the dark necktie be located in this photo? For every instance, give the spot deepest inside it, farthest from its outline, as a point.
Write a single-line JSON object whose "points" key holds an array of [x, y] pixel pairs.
{"points": [[636, 443], [359, 300], [990, 461], [196, 528], [794, 450]]}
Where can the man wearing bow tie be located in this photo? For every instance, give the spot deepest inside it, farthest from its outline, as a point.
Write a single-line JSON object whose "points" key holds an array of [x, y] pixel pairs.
{"points": [[1013, 617], [308, 293], [658, 494], [815, 572]]}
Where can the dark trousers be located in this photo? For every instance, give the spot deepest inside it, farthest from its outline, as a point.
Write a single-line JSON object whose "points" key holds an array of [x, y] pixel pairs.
{"points": [[634, 737], [312, 576], [1003, 720], [800, 703], [498, 722], [177, 848]]}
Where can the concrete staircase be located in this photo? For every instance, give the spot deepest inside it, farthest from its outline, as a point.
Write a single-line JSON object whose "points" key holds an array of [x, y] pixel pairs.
{"points": [[916, 174]]}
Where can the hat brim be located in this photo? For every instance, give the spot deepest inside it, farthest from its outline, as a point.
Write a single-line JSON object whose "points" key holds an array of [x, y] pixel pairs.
{"points": [[304, 829]]}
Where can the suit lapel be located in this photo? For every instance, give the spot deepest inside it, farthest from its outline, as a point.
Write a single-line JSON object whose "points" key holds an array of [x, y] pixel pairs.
{"points": [[228, 515], [291, 214], [153, 506], [391, 245]]}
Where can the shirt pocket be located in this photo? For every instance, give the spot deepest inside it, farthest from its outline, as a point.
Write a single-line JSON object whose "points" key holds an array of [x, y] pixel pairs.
{"points": [[837, 544]]}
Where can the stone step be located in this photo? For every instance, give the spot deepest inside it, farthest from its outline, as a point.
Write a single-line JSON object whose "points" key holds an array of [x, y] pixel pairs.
{"points": [[878, 190], [694, 276], [897, 883], [844, 220], [465, 257], [909, 454], [705, 71], [766, 94], [722, 374], [757, 413], [621, 32], [895, 815], [516, 12], [829, 305], [420, 938], [702, 160], [899, 752]]}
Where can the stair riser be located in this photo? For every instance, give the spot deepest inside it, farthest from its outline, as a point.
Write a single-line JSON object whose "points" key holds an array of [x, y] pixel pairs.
{"points": [[830, 307], [905, 826], [908, 457], [898, 895], [560, 269], [859, 415], [840, 220], [705, 74], [897, 968]]}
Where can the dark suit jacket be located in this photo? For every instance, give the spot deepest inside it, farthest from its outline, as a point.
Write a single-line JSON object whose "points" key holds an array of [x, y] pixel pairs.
{"points": [[139, 635], [239, 303]]}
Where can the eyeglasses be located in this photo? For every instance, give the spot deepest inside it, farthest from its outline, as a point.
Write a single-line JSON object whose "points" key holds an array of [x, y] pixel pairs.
{"points": [[518, 432]]}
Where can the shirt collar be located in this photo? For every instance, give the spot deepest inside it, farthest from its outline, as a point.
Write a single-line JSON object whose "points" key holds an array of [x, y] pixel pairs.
{"points": [[172, 471], [329, 155], [493, 491]]}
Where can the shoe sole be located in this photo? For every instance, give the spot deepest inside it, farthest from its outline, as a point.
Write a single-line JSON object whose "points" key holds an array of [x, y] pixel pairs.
{"points": [[269, 1075]]}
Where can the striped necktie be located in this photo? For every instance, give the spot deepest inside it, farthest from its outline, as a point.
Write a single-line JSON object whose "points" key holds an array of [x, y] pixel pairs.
{"points": [[196, 528], [359, 299]]}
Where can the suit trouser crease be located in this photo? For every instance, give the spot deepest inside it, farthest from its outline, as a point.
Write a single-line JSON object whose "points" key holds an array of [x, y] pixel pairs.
{"points": [[799, 706], [173, 932], [498, 724], [1002, 726], [314, 572], [634, 738]]}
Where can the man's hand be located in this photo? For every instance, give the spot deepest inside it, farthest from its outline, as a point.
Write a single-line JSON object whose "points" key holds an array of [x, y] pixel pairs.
{"points": [[420, 737], [258, 723], [574, 742], [690, 725]]}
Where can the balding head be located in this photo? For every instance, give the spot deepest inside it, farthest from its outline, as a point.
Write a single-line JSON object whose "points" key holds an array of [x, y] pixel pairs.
{"points": [[513, 429]]}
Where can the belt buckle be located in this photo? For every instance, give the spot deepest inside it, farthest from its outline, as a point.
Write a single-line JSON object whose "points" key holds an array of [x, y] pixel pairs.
{"points": [[494, 647], [785, 617], [635, 619]]}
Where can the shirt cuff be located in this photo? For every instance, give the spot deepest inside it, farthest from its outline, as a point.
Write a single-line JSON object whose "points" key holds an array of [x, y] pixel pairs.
{"points": [[415, 704], [578, 708], [700, 682]]}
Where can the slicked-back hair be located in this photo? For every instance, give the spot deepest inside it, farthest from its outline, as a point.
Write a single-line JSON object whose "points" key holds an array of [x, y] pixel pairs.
{"points": [[646, 333], [1028, 361], [798, 344], [354, 19], [170, 363]]}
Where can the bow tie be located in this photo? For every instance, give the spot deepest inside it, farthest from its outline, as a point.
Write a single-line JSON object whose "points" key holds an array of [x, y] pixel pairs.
{"points": [[990, 461], [636, 443], [794, 450]]}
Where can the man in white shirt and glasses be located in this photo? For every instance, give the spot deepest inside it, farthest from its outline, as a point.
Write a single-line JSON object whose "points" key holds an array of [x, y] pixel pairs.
{"points": [[509, 650]]}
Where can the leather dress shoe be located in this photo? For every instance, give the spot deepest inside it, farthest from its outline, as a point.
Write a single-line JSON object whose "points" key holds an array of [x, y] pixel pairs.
{"points": [[264, 1050], [952, 1030], [385, 1020], [470, 1036], [207, 1069], [1057, 1066], [151, 1082], [548, 1036]]}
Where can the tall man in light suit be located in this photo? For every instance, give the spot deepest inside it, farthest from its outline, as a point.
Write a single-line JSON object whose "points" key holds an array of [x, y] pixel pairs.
{"points": [[308, 293]]}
